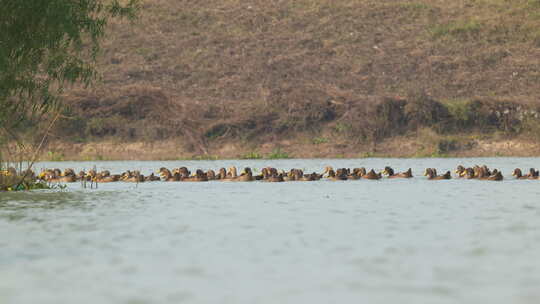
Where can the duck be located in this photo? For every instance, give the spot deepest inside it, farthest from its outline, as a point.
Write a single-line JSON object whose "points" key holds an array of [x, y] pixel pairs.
{"points": [[287, 176], [300, 176], [107, 179], [183, 172], [461, 171], [167, 176], [316, 176], [82, 176], [48, 175], [342, 173], [483, 172], [519, 175], [233, 173], [333, 175], [431, 173], [360, 171], [390, 172], [495, 176], [469, 173], [199, 176], [272, 171], [310, 177], [480, 172], [372, 175], [10, 171], [68, 176], [271, 175], [43, 175], [132, 177], [355, 175], [211, 174], [152, 178], [57, 176], [296, 175], [328, 171], [245, 176], [533, 174], [222, 174], [275, 178], [260, 176]]}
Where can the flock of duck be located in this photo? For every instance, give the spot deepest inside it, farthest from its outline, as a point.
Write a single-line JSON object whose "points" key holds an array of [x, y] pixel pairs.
{"points": [[268, 174]]}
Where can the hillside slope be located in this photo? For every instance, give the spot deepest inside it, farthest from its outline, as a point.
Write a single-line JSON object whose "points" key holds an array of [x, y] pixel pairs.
{"points": [[316, 78]]}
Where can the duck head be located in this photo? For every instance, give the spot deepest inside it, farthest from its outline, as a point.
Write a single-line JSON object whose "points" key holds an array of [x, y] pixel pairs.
{"points": [[388, 171], [232, 172]]}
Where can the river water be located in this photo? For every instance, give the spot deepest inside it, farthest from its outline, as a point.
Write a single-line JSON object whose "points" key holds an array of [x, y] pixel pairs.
{"points": [[388, 241]]}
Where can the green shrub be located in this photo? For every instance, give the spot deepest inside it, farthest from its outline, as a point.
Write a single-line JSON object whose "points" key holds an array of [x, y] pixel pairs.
{"points": [[205, 157], [342, 127], [422, 110], [252, 155], [277, 154], [469, 114], [216, 131], [531, 127], [446, 145], [55, 156], [319, 140]]}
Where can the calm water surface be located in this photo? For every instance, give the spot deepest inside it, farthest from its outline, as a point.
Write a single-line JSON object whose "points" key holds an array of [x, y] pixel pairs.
{"points": [[389, 241]]}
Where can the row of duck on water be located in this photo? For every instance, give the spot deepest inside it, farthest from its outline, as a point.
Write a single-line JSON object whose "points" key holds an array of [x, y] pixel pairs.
{"points": [[270, 174]]}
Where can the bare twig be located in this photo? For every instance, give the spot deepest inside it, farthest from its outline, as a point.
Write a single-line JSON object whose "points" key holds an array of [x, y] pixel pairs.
{"points": [[36, 152]]}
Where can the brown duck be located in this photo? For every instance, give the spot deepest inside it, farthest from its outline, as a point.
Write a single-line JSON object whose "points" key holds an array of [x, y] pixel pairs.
{"points": [[495, 176], [431, 173], [372, 175], [390, 172], [519, 175]]}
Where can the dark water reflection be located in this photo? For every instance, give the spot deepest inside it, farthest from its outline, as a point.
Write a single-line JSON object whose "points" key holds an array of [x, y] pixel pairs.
{"points": [[391, 241]]}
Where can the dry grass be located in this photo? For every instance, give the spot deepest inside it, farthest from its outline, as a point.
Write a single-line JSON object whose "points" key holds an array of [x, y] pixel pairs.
{"points": [[262, 71]]}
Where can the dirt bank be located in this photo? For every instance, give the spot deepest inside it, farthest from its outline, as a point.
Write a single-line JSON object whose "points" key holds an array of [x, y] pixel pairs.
{"points": [[398, 147], [311, 78]]}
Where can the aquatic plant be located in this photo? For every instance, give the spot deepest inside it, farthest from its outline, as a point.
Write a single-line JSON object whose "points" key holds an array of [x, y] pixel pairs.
{"points": [[12, 179]]}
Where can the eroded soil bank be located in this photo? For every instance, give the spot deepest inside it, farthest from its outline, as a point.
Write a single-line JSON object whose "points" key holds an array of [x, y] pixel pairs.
{"points": [[397, 147]]}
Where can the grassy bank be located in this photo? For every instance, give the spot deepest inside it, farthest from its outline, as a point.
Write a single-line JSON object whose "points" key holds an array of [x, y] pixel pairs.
{"points": [[312, 78]]}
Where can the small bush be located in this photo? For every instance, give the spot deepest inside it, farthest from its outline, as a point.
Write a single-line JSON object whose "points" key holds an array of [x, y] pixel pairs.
{"points": [[55, 156], [446, 145], [277, 154], [319, 140], [466, 115], [422, 110], [252, 155], [342, 127], [216, 131], [205, 157]]}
